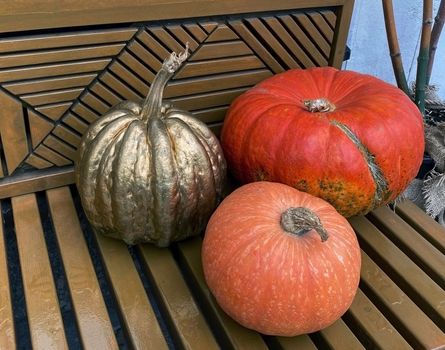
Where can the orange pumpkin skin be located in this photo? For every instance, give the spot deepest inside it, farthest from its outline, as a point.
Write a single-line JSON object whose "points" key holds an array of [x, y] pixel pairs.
{"points": [[268, 134], [270, 280]]}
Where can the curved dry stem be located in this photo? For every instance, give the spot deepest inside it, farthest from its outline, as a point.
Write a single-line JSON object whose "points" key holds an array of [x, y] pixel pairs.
{"points": [[435, 35]]}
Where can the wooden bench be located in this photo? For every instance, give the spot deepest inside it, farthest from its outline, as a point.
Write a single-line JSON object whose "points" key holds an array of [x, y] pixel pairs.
{"points": [[62, 286]]}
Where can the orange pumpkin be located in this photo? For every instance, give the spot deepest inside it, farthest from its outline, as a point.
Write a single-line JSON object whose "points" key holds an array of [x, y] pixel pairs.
{"points": [[346, 137], [280, 261]]}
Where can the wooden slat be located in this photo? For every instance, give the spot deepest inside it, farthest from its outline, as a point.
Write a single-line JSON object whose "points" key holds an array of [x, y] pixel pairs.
{"points": [[376, 327], [106, 94], [51, 156], [314, 33], [150, 42], [55, 111], [425, 225], [253, 42], [291, 44], [7, 333], [12, 129], [218, 66], [38, 162], [235, 336], [202, 101], [216, 128], [92, 318], [302, 342], [322, 25], [215, 83], [208, 26], [273, 43], [42, 306], [185, 316], [402, 270], [67, 135], [197, 32], [182, 35], [17, 15], [136, 66], [119, 87], [137, 313], [145, 56], [303, 39], [59, 96], [165, 38], [330, 17], [339, 336], [84, 112], [129, 78], [211, 115], [415, 326], [61, 147], [94, 103], [39, 128], [39, 85], [75, 123], [220, 50], [52, 70], [63, 55], [414, 245], [69, 40], [222, 33]]}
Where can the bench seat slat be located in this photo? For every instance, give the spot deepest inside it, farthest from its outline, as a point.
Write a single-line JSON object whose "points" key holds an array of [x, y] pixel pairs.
{"points": [[302, 342], [185, 316], [413, 244], [376, 327], [419, 329], [424, 224], [339, 336], [44, 317], [237, 336], [7, 333], [94, 324], [137, 314], [410, 277]]}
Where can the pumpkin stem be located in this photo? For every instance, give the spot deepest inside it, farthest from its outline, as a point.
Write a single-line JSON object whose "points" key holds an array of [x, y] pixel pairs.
{"points": [[319, 105], [299, 221], [152, 105]]}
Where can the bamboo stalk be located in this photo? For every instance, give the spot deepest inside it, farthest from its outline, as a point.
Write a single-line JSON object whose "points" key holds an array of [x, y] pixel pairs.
{"points": [[393, 43], [435, 35], [422, 58]]}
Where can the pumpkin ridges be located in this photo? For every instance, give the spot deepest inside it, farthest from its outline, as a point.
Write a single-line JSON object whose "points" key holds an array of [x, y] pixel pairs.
{"points": [[104, 180], [202, 178], [164, 171], [211, 145], [93, 152], [126, 203]]}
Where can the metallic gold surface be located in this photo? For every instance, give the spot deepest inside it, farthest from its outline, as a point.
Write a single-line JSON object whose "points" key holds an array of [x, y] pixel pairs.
{"points": [[149, 172]]}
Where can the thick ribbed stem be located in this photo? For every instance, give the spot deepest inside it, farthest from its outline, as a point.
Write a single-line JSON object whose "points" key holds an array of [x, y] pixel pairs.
{"points": [[300, 221], [153, 102], [319, 105], [435, 35]]}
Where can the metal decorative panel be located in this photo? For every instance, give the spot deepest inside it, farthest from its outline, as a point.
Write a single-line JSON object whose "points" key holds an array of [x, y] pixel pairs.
{"points": [[52, 86]]}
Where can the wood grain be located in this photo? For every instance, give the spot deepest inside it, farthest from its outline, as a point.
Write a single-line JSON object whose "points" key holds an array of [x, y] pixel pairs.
{"points": [[42, 306], [92, 317]]}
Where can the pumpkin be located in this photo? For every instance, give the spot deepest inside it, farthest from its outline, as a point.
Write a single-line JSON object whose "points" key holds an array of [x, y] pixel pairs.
{"points": [[346, 137], [148, 172], [280, 261]]}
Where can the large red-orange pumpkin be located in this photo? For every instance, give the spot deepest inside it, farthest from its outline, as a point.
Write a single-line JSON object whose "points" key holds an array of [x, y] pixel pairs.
{"points": [[280, 261], [346, 137]]}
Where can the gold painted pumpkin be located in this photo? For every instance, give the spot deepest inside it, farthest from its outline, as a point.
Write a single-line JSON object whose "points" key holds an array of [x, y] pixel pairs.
{"points": [[149, 172]]}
